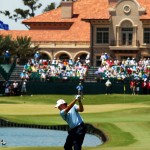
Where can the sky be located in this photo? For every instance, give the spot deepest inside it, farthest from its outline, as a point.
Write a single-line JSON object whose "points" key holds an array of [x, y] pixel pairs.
{"points": [[11, 5]]}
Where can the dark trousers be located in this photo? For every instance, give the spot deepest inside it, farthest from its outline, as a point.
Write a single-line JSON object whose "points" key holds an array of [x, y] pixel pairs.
{"points": [[80, 92], [108, 89], [75, 138]]}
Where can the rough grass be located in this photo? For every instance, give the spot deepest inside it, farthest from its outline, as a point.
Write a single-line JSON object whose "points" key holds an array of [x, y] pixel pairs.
{"points": [[123, 118]]}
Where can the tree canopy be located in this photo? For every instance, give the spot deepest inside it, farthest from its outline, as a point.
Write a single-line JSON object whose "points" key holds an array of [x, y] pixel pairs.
{"points": [[32, 5], [21, 46]]}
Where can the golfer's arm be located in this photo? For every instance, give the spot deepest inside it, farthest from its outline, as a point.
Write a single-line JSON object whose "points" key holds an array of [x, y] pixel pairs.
{"points": [[81, 108], [70, 105]]}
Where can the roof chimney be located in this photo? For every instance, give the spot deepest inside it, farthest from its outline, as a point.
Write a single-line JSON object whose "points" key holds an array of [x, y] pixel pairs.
{"points": [[67, 9]]}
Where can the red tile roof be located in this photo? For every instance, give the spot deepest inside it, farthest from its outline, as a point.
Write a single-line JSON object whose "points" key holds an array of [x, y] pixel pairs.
{"points": [[80, 30], [146, 5], [51, 35]]}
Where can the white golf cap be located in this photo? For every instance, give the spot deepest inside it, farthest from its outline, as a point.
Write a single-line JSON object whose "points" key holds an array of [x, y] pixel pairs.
{"points": [[59, 102]]}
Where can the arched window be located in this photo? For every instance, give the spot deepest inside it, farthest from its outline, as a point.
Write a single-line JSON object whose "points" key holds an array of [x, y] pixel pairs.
{"points": [[63, 57], [44, 56]]}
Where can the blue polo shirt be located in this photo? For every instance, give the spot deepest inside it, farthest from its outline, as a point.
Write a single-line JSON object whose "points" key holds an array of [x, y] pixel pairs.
{"points": [[73, 118]]}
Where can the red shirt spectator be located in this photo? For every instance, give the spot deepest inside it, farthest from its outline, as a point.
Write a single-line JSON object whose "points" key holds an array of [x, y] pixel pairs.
{"points": [[148, 85], [132, 84], [144, 84]]}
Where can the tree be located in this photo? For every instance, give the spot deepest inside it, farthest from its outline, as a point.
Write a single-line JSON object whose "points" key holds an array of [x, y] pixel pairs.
{"points": [[49, 7], [6, 43], [21, 46], [24, 48], [33, 5]]}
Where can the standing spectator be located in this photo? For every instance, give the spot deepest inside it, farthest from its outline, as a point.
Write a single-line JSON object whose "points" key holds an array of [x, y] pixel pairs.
{"points": [[148, 87], [108, 85], [11, 89], [106, 56], [132, 86], [37, 56], [7, 57], [7, 88], [137, 86], [80, 89], [15, 87], [144, 88], [23, 88]]}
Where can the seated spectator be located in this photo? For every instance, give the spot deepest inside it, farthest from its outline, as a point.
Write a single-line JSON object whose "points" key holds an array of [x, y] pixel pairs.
{"points": [[24, 75], [43, 77]]}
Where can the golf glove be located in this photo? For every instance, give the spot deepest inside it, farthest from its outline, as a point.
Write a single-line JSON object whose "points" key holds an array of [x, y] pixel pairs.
{"points": [[77, 97]]}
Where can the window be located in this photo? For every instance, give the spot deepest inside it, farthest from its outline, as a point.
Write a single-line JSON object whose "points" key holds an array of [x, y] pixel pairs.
{"points": [[147, 35], [102, 35]]}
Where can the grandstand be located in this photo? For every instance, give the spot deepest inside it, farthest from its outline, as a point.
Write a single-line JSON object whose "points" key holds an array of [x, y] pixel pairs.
{"points": [[53, 76]]}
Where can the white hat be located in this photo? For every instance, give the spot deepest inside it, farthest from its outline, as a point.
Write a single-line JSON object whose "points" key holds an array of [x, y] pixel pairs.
{"points": [[59, 102]]}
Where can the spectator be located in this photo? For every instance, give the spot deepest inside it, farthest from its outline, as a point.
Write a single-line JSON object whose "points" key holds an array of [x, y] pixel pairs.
{"points": [[108, 85], [144, 88], [148, 87], [80, 90], [7, 57], [43, 76], [24, 75], [132, 86], [37, 56], [137, 86], [15, 87], [7, 88], [23, 88]]}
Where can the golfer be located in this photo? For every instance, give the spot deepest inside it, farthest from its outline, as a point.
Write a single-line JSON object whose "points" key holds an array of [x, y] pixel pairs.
{"points": [[70, 113]]}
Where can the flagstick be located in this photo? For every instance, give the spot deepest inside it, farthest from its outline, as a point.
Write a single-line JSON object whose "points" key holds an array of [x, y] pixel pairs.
{"points": [[124, 93]]}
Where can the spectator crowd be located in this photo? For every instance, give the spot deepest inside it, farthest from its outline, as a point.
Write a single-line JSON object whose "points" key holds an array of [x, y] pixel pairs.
{"points": [[126, 68], [138, 72], [44, 69]]}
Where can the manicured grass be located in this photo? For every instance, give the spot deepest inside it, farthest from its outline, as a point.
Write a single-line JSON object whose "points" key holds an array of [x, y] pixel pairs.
{"points": [[89, 99], [123, 118]]}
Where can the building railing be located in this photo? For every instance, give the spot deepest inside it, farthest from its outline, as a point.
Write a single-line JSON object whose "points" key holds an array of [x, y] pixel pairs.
{"points": [[124, 43]]}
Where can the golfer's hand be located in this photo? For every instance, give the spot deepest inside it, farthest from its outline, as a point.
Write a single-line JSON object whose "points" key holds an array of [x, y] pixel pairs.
{"points": [[78, 97]]}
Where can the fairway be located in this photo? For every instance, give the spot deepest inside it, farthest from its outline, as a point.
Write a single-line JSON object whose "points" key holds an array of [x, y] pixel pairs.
{"points": [[30, 109], [125, 123]]}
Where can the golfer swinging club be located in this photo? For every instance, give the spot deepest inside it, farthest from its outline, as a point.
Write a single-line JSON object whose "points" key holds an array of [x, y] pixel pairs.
{"points": [[70, 114]]}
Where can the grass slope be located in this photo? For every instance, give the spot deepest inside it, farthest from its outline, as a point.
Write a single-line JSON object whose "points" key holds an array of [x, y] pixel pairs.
{"points": [[123, 118]]}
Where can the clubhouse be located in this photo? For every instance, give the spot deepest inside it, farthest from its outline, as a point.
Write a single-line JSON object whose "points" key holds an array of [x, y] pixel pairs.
{"points": [[120, 28]]}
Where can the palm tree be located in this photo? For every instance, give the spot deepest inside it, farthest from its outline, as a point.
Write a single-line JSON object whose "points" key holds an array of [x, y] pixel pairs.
{"points": [[6, 43], [23, 49]]}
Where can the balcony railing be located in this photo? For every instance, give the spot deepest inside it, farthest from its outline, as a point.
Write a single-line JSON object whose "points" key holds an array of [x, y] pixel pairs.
{"points": [[125, 43]]}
